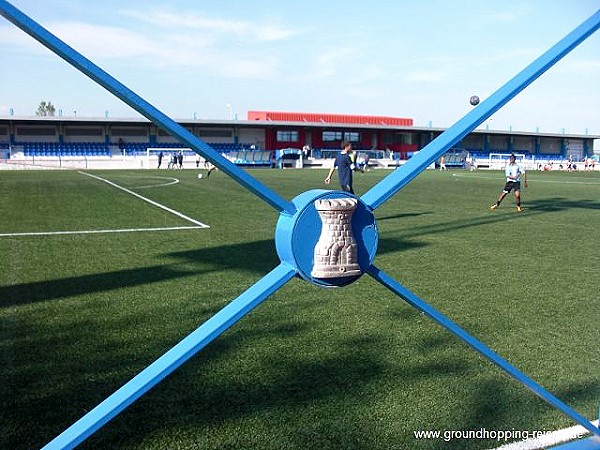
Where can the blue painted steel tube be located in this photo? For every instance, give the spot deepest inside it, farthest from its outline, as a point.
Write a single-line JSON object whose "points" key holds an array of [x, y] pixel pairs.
{"points": [[442, 320], [171, 360], [140, 105], [386, 188]]}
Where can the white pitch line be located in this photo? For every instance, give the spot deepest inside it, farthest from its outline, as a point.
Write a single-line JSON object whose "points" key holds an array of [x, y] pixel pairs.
{"points": [[152, 202], [549, 439], [171, 181], [121, 230]]}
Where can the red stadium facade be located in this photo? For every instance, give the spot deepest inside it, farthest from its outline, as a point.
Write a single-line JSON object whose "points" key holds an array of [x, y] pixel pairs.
{"points": [[285, 129]]}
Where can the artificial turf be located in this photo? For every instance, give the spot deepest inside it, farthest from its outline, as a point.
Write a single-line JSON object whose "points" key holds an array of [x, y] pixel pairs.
{"points": [[351, 368]]}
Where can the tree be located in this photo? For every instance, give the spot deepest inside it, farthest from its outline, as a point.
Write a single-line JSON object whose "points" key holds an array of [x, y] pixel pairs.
{"points": [[45, 109]]}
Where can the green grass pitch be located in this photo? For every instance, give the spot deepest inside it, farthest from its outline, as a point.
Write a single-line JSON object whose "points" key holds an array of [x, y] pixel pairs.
{"points": [[348, 368]]}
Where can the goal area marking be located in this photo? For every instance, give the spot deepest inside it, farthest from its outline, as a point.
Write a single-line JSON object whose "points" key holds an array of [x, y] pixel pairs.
{"points": [[197, 224], [152, 202]]}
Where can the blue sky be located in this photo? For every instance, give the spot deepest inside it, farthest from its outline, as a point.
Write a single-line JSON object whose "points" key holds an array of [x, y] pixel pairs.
{"points": [[210, 59]]}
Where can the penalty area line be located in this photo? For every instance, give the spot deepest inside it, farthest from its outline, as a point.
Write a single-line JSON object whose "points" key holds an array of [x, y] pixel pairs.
{"points": [[152, 202], [121, 230]]}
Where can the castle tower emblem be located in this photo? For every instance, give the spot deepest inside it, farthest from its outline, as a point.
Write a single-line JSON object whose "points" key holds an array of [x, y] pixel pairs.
{"points": [[336, 251]]}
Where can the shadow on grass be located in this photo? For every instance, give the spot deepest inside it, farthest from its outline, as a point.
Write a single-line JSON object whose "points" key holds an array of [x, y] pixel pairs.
{"points": [[25, 293], [505, 213], [461, 224], [498, 399], [259, 257], [196, 400], [299, 389], [256, 256], [561, 203], [293, 389], [403, 215], [280, 387]]}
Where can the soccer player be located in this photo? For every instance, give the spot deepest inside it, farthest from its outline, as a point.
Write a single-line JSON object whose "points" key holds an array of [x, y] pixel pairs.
{"points": [[210, 166], [172, 161], [513, 173], [344, 166], [180, 159]]}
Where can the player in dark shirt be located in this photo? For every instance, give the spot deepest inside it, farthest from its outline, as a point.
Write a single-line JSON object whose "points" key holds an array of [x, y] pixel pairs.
{"points": [[344, 166]]}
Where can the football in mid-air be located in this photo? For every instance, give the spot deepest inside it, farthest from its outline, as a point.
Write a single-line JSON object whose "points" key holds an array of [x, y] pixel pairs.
{"points": [[474, 100], [200, 176]]}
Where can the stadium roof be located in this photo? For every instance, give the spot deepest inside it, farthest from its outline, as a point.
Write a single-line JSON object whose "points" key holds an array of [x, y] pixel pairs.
{"points": [[267, 123]]}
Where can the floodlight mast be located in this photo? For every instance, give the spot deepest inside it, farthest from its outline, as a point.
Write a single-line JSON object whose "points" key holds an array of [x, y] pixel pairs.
{"points": [[125, 94], [394, 182]]}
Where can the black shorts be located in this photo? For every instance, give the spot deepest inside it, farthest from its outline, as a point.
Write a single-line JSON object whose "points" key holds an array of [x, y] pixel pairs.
{"points": [[510, 185]]}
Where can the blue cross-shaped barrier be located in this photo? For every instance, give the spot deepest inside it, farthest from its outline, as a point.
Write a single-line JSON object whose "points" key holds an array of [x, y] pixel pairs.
{"points": [[298, 230]]}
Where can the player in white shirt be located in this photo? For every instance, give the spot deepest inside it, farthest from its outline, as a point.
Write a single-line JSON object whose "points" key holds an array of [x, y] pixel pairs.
{"points": [[513, 172]]}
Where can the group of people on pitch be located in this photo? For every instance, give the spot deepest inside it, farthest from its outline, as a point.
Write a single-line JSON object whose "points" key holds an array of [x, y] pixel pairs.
{"points": [[513, 171], [346, 165]]}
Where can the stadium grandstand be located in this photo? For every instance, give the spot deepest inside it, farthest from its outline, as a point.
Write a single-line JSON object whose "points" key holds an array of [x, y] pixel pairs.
{"points": [[275, 139]]}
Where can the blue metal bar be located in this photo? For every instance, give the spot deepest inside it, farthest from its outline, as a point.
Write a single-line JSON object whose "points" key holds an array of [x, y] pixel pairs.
{"points": [[442, 320], [171, 360], [419, 162], [105, 80]]}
